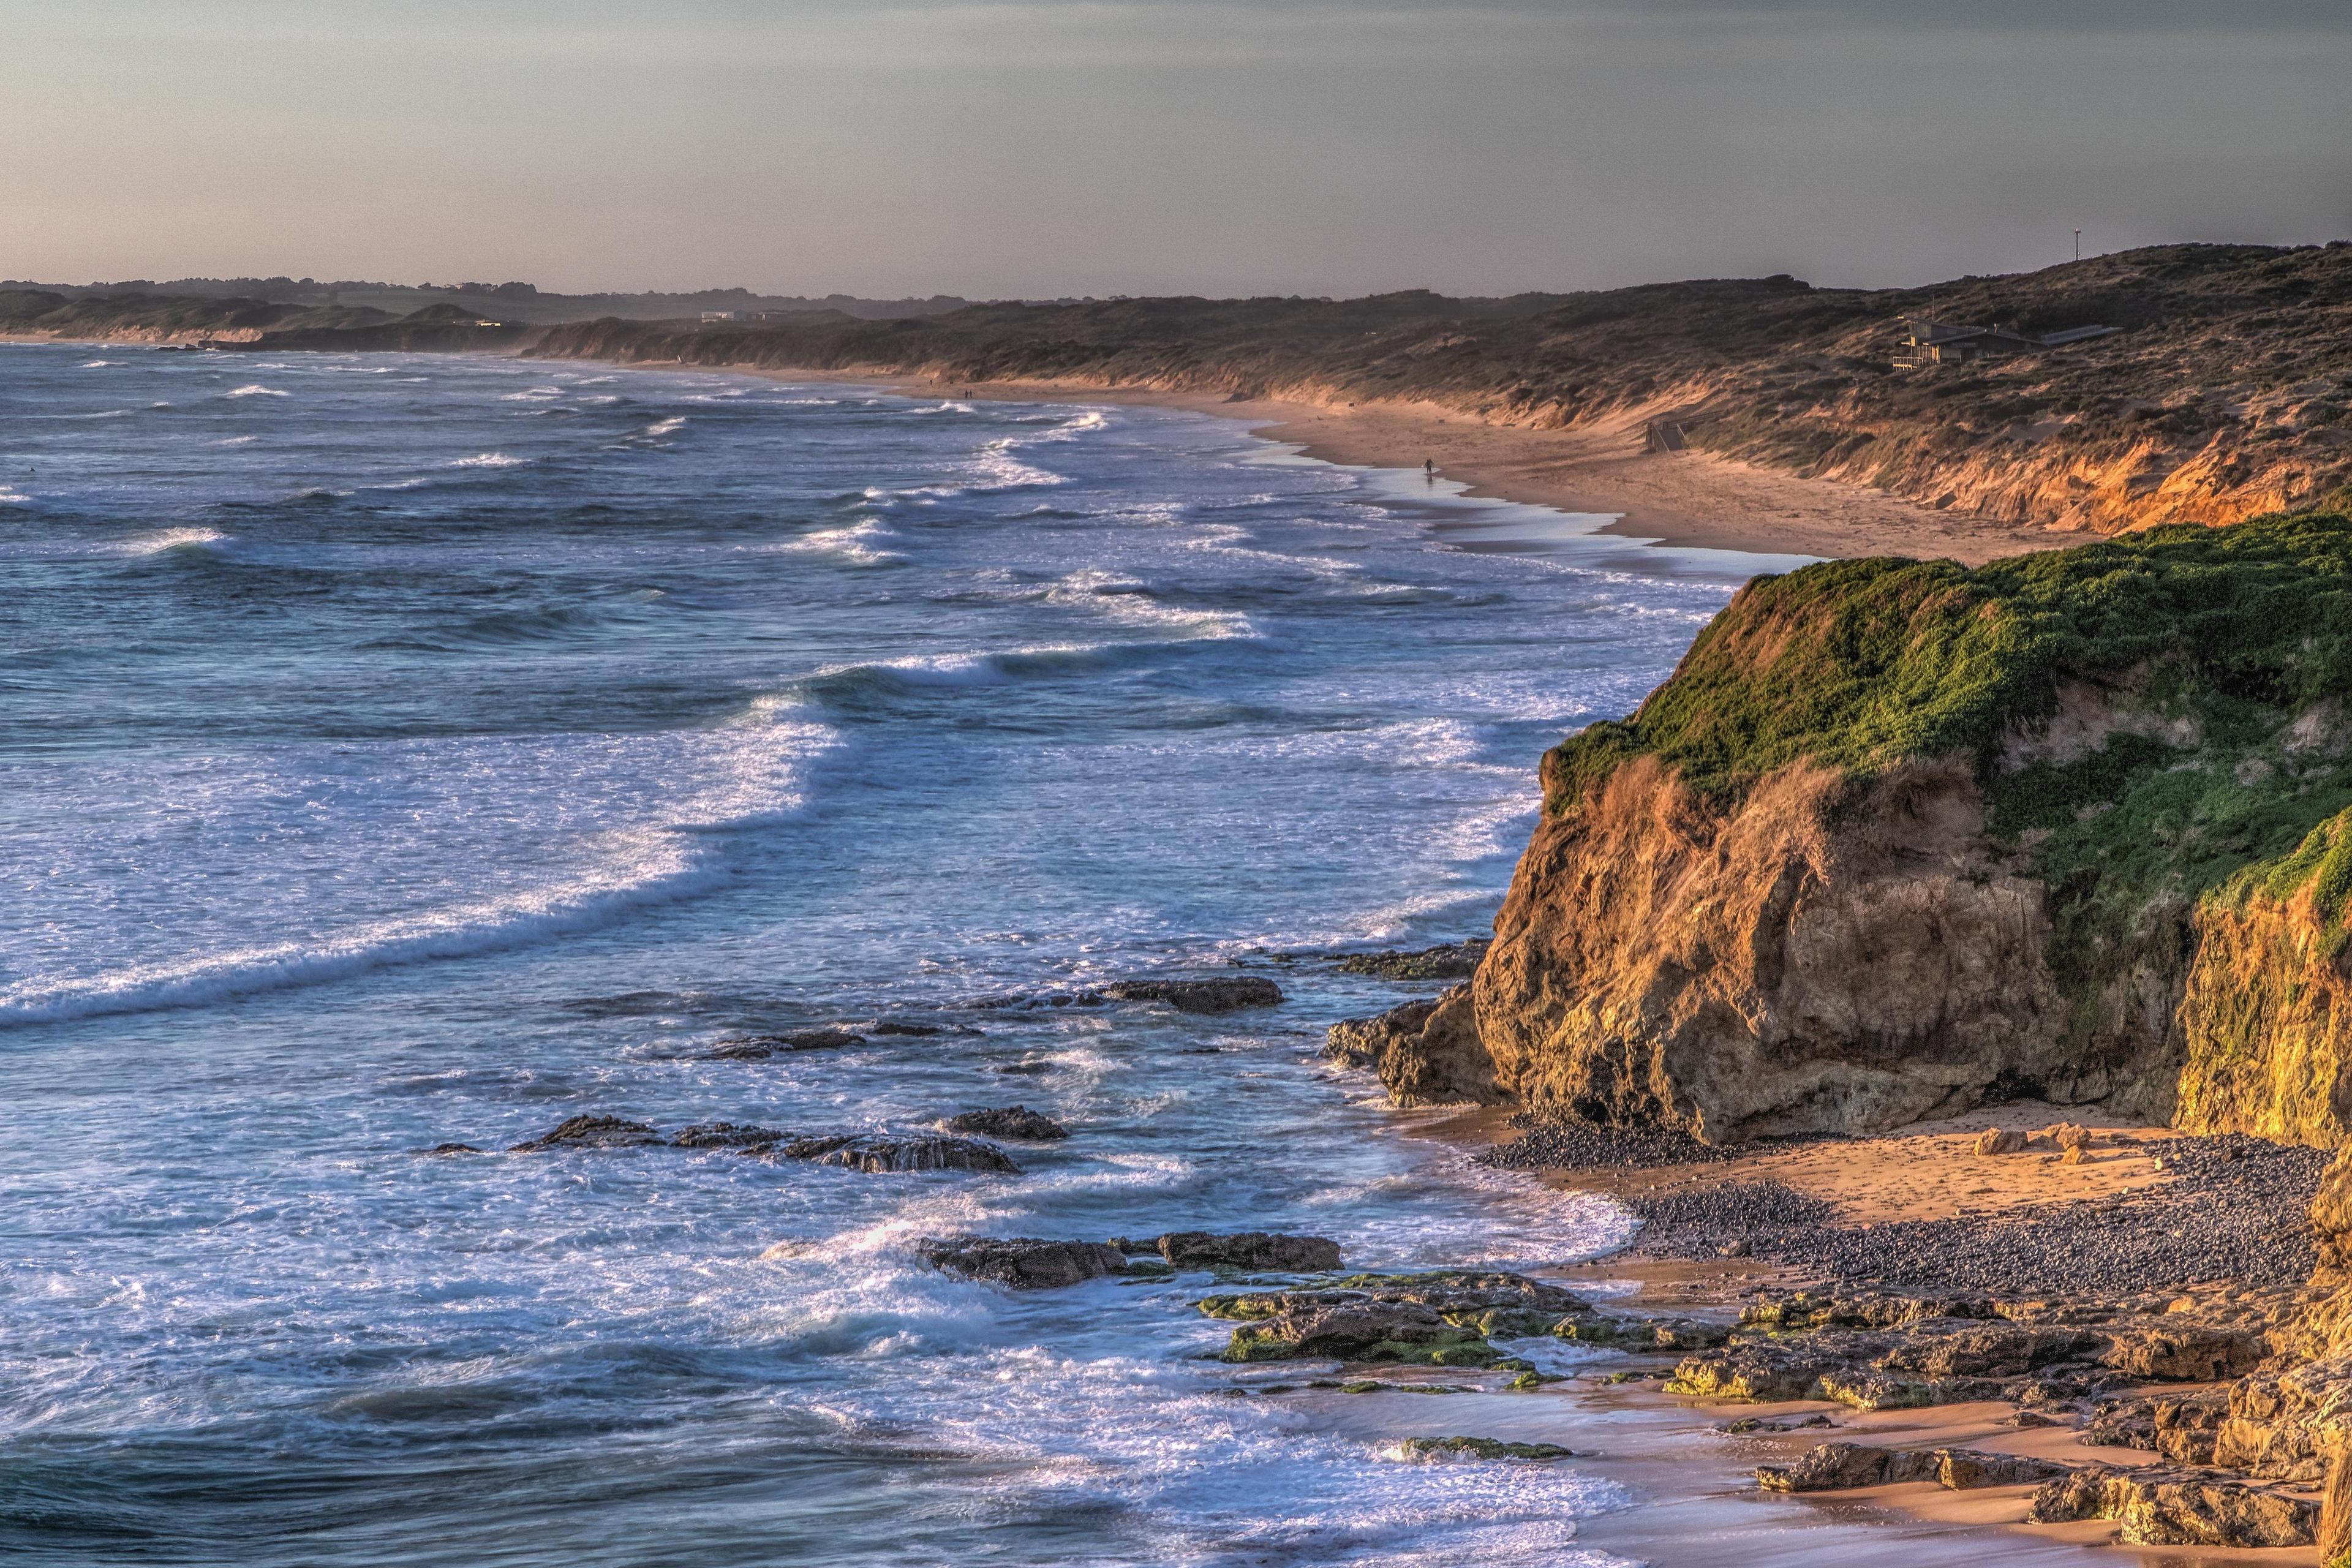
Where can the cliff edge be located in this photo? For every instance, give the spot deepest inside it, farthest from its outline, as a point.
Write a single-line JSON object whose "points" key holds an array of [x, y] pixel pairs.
{"points": [[1901, 838]]}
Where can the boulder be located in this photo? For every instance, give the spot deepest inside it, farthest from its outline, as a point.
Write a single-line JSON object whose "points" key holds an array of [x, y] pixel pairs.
{"points": [[1840, 1466], [1426, 1052], [2184, 1354], [1227, 994], [453, 1148], [876, 1153], [1250, 1250], [1998, 1140], [2178, 1509], [1023, 1262], [592, 1132], [760, 1048], [1994, 1349], [1964, 1469], [1008, 1121], [1763, 1372]]}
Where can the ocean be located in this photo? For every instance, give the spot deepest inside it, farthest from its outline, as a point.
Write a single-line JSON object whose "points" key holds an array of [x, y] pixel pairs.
{"points": [[400, 751]]}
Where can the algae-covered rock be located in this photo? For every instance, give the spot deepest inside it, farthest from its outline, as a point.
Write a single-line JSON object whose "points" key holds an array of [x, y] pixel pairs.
{"points": [[1430, 1318], [1250, 1250], [1477, 1448]]}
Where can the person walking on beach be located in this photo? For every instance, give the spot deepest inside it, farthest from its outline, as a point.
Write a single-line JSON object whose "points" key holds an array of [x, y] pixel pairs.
{"points": [[1429, 467]]}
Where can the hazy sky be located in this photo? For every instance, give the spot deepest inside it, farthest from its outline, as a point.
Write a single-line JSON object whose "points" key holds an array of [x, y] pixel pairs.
{"points": [[1040, 147]]}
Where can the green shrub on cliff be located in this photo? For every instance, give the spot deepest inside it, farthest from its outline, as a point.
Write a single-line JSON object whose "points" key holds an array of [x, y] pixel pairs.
{"points": [[2204, 646], [1864, 664]]}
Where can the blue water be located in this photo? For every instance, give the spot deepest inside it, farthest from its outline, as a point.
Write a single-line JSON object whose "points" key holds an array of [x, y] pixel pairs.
{"points": [[396, 750]]}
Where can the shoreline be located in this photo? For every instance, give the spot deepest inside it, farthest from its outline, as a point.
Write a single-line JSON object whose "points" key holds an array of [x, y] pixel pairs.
{"points": [[1695, 1483], [1668, 1444], [1686, 499]]}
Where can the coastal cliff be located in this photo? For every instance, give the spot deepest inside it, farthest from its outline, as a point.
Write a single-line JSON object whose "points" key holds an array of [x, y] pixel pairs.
{"points": [[2222, 392], [1898, 839], [2221, 396]]}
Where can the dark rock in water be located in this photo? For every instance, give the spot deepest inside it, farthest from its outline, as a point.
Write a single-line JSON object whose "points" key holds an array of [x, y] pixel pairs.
{"points": [[728, 1135], [453, 1149], [1024, 1002], [1478, 1448], [1451, 961], [1250, 1250], [760, 1048], [1225, 995], [592, 1132], [877, 1152], [900, 1026], [1024, 1070], [1023, 1262], [1008, 1121]]}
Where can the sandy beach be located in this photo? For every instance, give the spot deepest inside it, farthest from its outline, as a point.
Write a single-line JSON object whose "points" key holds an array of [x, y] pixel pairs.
{"points": [[1698, 1480], [1686, 498]]}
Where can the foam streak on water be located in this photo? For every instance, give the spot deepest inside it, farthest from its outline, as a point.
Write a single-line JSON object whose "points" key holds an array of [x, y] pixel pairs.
{"points": [[400, 751]]}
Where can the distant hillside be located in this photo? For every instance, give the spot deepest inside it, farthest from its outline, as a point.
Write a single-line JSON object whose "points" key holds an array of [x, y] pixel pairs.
{"points": [[521, 302], [2226, 392]]}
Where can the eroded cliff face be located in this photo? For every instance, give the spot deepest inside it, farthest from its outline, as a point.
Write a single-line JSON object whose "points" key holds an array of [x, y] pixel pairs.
{"points": [[1807, 961], [2264, 1026]]}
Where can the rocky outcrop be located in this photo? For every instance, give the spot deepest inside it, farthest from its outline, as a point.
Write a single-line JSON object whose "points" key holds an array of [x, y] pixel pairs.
{"points": [[2179, 1509], [1451, 961], [1024, 1262], [1443, 1319], [1898, 839], [592, 1132], [1427, 1052], [1223, 994], [1804, 962], [1831, 1467]]}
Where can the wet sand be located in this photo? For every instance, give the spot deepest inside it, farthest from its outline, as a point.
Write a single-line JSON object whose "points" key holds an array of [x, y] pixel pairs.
{"points": [[1687, 499]]}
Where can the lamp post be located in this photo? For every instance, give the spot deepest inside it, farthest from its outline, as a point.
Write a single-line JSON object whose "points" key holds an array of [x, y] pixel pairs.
{"points": [[2078, 244]]}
